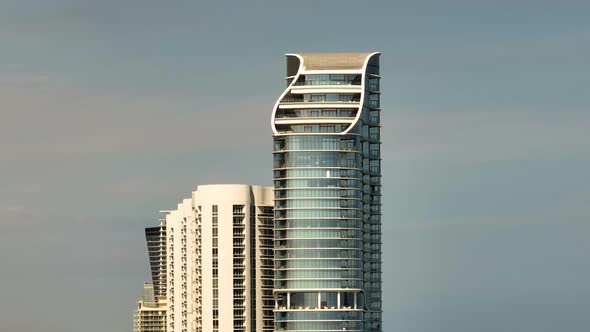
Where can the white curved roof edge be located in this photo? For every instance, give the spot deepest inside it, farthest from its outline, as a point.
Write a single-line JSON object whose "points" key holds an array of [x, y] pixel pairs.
{"points": [[300, 71], [276, 107]]}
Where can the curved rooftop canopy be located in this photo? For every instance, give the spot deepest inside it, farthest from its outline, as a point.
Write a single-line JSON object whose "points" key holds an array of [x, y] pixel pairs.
{"points": [[333, 61]]}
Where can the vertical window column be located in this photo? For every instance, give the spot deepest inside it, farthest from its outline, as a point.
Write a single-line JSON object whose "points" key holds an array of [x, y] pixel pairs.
{"points": [[239, 269], [215, 259]]}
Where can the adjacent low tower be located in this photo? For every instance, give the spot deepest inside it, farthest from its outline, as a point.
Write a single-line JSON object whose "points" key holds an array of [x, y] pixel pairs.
{"points": [[327, 181], [219, 265], [150, 315], [156, 245]]}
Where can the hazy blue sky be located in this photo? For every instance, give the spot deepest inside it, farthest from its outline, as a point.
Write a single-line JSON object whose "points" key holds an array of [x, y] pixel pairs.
{"points": [[111, 110]]}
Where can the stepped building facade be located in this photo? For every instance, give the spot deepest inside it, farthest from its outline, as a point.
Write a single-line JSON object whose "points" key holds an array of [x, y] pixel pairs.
{"points": [[219, 246]]}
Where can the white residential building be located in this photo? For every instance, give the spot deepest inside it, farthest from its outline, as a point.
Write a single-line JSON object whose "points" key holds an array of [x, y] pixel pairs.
{"points": [[220, 260]]}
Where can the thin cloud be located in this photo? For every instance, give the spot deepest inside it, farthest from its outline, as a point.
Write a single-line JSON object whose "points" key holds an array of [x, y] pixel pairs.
{"points": [[63, 122], [8, 80], [485, 135]]}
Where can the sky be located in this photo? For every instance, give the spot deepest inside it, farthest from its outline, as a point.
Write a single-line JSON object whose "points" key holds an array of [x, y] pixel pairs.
{"points": [[113, 110]]}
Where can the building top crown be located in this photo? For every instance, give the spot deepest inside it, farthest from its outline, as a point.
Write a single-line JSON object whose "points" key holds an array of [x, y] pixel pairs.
{"points": [[333, 61]]}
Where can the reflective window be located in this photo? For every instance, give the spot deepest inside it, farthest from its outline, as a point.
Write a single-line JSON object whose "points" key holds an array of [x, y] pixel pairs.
{"points": [[304, 300], [319, 243], [288, 129], [374, 101], [317, 173], [318, 253], [318, 274], [342, 325], [280, 284], [373, 84], [324, 222], [330, 97], [347, 300], [328, 300], [329, 79]]}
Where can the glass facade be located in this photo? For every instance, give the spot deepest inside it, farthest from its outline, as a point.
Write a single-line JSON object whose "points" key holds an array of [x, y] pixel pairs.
{"points": [[327, 208], [329, 79], [156, 244]]}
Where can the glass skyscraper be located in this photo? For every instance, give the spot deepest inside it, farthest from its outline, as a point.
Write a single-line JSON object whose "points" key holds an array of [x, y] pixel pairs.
{"points": [[327, 181]]}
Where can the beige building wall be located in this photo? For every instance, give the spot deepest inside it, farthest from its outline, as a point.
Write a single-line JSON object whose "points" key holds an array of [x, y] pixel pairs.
{"points": [[220, 254], [150, 315]]}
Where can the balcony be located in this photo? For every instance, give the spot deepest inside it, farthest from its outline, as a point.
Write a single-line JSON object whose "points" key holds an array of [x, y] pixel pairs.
{"points": [[329, 80], [325, 100]]}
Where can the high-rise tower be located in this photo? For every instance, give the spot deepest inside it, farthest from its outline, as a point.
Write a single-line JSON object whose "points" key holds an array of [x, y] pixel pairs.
{"points": [[327, 181]]}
